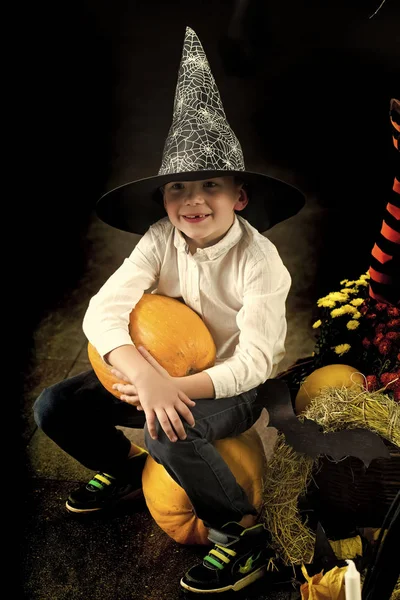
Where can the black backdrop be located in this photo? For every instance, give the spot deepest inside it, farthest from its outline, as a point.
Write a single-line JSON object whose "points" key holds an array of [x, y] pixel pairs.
{"points": [[319, 74]]}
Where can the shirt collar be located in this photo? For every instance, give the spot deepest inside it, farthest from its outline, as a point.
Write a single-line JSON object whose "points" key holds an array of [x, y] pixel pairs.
{"points": [[212, 252]]}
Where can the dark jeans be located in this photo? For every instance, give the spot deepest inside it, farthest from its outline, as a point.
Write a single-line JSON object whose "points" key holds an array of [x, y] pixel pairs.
{"points": [[80, 416]]}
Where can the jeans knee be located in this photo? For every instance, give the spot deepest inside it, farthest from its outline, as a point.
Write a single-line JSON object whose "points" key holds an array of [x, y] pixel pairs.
{"points": [[43, 409], [162, 449]]}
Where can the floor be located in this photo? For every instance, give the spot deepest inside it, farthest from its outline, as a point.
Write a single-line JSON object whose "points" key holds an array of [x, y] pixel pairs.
{"points": [[126, 556]]}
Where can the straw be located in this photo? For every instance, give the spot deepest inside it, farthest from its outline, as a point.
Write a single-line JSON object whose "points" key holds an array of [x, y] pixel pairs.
{"points": [[289, 473]]}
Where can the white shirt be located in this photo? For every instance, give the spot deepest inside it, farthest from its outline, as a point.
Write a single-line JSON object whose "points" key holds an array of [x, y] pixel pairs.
{"points": [[238, 286]]}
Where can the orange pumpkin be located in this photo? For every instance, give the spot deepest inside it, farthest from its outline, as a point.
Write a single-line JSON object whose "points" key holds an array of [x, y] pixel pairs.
{"points": [[173, 333], [335, 375], [169, 504]]}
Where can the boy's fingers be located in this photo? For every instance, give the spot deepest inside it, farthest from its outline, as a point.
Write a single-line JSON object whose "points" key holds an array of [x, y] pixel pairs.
{"points": [[165, 421], [177, 425], [119, 375], [184, 411], [151, 424], [186, 399], [131, 399], [128, 389]]}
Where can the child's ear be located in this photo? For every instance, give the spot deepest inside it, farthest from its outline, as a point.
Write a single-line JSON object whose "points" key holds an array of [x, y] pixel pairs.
{"points": [[243, 200]]}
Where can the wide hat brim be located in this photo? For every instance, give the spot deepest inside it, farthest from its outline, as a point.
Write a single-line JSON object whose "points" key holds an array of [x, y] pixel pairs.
{"points": [[136, 205]]}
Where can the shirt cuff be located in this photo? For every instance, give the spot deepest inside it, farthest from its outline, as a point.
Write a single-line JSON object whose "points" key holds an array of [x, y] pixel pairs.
{"points": [[111, 340], [224, 381]]}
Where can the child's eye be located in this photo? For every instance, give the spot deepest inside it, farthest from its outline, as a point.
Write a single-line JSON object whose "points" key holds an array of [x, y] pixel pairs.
{"points": [[176, 186], [210, 184]]}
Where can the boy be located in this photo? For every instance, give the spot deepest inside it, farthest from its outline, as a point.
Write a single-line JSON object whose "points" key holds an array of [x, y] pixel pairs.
{"points": [[233, 277]]}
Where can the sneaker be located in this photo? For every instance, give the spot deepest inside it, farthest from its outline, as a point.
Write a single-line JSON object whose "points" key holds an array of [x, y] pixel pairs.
{"points": [[104, 490], [238, 558]]}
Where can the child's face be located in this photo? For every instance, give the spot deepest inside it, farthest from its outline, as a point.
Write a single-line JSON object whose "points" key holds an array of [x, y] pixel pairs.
{"points": [[203, 210]]}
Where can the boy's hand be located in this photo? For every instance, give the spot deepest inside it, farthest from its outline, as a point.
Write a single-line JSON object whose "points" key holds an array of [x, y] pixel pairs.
{"points": [[159, 398], [128, 391]]}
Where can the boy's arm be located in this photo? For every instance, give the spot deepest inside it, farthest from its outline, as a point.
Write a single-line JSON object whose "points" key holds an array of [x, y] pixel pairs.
{"points": [[262, 326], [106, 325], [160, 398], [106, 321], [196, 386], [262, 330]]}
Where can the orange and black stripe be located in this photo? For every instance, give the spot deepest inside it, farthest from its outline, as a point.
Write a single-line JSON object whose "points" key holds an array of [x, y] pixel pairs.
{"points": [[385, 256]]}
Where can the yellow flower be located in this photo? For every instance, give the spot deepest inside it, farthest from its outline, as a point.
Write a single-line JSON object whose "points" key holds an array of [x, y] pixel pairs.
{"points": [[343, 310], [356, 315], [342, 349], [344, 281], [337, 296], [357, 301], [317, 324], [337, 312], [352, 324], [326, 303], [350, 310], [365, 276], [362, 282]]}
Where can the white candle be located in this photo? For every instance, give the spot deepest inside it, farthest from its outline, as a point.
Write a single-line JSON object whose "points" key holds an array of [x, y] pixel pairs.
{"points": [[352, 582]]}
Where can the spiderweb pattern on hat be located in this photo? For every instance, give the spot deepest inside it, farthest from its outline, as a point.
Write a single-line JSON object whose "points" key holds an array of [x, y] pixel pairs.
{"points": [[200, 137]]}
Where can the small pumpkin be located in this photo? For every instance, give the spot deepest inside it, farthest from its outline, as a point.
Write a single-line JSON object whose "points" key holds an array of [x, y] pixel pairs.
{"points": [[171, 331], [335, 375], [169, 504]]}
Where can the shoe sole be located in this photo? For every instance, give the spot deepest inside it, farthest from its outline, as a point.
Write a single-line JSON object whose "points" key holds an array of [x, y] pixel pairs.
{"points": [[257, 574], [136, 494]]}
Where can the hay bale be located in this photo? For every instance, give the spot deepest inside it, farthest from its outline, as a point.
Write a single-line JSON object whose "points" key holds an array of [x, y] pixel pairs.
{"points": [[289, 473]]}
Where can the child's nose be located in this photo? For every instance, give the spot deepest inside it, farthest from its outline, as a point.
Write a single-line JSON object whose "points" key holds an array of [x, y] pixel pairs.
{"points": [[194, 197]]}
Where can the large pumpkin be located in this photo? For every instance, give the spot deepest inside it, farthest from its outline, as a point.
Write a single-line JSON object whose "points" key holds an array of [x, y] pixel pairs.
{"points": [[335, 375], [172, 332], [169, 504]]}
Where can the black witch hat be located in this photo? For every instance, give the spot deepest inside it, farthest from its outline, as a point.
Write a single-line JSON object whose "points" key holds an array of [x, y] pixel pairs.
{"points": [[200, 145]]}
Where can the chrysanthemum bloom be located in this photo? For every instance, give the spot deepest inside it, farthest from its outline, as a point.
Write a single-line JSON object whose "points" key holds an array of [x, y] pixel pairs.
{"points": [[342, 349], [385, 347]]}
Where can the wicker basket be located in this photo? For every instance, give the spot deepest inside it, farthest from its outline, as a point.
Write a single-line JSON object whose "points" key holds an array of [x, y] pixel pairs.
{"points": [[345, 495]]}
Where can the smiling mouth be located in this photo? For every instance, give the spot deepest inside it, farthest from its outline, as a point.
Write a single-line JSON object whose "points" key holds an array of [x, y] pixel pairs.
{"points": [[195, 217]]}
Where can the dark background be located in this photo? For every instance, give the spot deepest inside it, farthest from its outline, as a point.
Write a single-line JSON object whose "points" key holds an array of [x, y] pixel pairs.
{"points": [[306, 88], [318, 77]]}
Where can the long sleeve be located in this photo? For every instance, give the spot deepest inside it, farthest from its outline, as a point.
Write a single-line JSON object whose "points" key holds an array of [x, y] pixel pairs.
{"points": [[262, 326], [106, 321], [238, 287]]}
